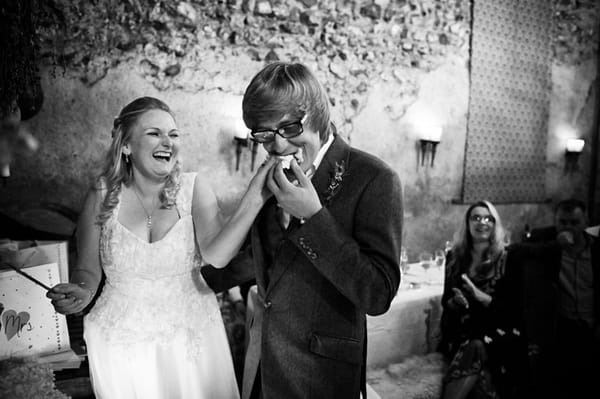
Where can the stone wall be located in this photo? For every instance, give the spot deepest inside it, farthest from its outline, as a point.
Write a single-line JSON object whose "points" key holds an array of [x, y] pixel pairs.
{"points": [[385, 64]]}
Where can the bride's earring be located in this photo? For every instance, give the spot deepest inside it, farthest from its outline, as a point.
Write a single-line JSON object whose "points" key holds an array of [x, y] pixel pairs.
{"points": [[126, 154]]}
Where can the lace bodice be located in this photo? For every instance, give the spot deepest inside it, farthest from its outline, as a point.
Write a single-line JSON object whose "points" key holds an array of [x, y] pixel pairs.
{"points": [[153, 290]]}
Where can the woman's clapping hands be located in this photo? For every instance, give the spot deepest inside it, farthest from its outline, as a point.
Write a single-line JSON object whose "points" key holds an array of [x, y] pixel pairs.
{"points": [[469, 290], [475, 292], [459, 298]]}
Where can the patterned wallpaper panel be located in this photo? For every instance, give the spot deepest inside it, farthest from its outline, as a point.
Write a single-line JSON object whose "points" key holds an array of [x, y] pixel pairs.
{"points": [[509, 101]]}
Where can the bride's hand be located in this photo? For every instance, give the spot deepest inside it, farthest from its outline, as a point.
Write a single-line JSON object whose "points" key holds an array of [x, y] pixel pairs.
{"points": [[257, 187], [68, 298]]}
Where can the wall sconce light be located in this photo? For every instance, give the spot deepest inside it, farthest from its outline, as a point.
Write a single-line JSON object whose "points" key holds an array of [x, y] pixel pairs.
{"points": [[241, 140], [572, 152], [430, 138], [4, 173]]}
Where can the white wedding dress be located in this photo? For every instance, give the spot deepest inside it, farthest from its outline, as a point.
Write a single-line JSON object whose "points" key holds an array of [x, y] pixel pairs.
{"points": [[156, 330]]}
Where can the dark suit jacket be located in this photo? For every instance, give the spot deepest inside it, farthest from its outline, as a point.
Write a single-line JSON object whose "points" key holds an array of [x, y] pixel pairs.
{"points": [[542, 261], [541, 235], [540, 257], [325, 276]]}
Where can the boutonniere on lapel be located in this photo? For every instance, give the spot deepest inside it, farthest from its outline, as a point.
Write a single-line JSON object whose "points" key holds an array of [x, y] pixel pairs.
{"points": [[335, 181]]}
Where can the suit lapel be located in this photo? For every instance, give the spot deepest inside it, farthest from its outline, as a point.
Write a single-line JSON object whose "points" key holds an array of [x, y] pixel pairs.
{"points": [[323, 180]]}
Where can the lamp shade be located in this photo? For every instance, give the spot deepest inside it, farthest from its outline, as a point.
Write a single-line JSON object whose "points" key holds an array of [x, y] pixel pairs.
{"points": [[575, 145], [234, 126], [435, 133], [240, 133], [431, 133]]}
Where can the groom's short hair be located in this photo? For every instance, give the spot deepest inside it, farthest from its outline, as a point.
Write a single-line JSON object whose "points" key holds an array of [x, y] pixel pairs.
{"points": [[283, 89]]}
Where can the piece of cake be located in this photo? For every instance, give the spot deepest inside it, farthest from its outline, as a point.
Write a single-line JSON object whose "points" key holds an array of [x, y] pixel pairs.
{"points": [[286, 163]]}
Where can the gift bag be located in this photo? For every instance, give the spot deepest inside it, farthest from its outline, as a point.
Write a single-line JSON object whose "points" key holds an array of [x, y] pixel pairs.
{"points": [[29, 326], [33, 253]]}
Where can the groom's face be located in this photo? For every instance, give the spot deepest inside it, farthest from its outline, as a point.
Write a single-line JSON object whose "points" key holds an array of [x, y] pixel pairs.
{"points": [[304, 147]]}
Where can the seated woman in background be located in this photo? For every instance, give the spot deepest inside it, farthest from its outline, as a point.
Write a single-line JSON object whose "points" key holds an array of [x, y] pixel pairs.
{"points": [[482, 312], [155, 331]]}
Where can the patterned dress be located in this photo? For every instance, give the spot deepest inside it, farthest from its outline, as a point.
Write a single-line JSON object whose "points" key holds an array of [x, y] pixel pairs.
{"points": [[156, 330]]}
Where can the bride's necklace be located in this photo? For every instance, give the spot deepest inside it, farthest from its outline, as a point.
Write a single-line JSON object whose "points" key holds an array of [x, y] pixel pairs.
{"points": [[148, 214]]}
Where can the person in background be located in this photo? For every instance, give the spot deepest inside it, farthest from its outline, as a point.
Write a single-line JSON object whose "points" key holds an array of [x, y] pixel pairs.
{"points": [[325, 249], [482, 311], [155, 331], [565, 267], [21, 94]]}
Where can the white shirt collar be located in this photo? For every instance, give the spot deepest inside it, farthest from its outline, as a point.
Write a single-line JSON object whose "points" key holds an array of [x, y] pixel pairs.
{"points": [[322, 151]]}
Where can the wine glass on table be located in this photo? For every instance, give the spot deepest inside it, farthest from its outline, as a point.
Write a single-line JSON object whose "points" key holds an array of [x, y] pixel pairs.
{"points": [[403, 267], [426, 261], [403, 260], [440, 261]]}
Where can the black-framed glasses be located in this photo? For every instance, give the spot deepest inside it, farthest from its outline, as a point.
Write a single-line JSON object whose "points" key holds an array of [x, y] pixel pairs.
{"points": [[486, 219], [287, 131]]}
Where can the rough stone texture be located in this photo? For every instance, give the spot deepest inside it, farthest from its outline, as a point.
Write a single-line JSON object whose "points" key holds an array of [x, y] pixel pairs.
{"points": [[347, 43], [575, 36], [384, 72]]}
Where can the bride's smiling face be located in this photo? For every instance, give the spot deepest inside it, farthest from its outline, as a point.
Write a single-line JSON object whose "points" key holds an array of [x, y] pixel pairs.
{"points": [[154, 144]]}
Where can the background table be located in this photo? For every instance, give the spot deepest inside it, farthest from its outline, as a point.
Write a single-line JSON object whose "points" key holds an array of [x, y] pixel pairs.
{"points": [[412, 324]]}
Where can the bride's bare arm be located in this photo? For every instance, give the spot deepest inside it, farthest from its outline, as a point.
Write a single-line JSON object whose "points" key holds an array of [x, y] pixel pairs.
{"points": [[220, 241], [73, 297]]}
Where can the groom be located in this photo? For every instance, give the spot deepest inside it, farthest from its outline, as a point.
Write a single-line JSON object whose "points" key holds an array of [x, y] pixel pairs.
{"points": [[324, 249]]}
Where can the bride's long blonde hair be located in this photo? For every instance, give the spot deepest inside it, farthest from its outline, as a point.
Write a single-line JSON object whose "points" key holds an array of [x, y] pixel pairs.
{"points": [[117, 168]]}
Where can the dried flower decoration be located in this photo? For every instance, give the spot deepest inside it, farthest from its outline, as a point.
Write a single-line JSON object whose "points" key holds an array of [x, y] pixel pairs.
{"points": [[26, 379], [335, 181]]}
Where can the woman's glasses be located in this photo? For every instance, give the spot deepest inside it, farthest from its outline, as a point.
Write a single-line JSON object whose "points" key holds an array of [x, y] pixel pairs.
{"points": [[288, 131], [486, 219]]}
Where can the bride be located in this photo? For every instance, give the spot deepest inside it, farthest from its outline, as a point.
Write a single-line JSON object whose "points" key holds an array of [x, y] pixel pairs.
{"points": [[155, 330]]}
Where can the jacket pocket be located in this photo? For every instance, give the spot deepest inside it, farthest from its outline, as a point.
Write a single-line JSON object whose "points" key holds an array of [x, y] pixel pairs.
{"points": [[338, 348]]}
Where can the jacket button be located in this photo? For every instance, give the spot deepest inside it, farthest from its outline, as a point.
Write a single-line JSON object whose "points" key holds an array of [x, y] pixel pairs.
{"points": [[303, 243], [267, 304]]}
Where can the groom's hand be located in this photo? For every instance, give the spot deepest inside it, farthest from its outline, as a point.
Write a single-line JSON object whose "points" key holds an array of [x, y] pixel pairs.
{"points": [[298, 199]]}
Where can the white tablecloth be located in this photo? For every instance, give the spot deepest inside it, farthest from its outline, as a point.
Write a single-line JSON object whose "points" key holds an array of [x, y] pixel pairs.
{"points": [[411, 325]]}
